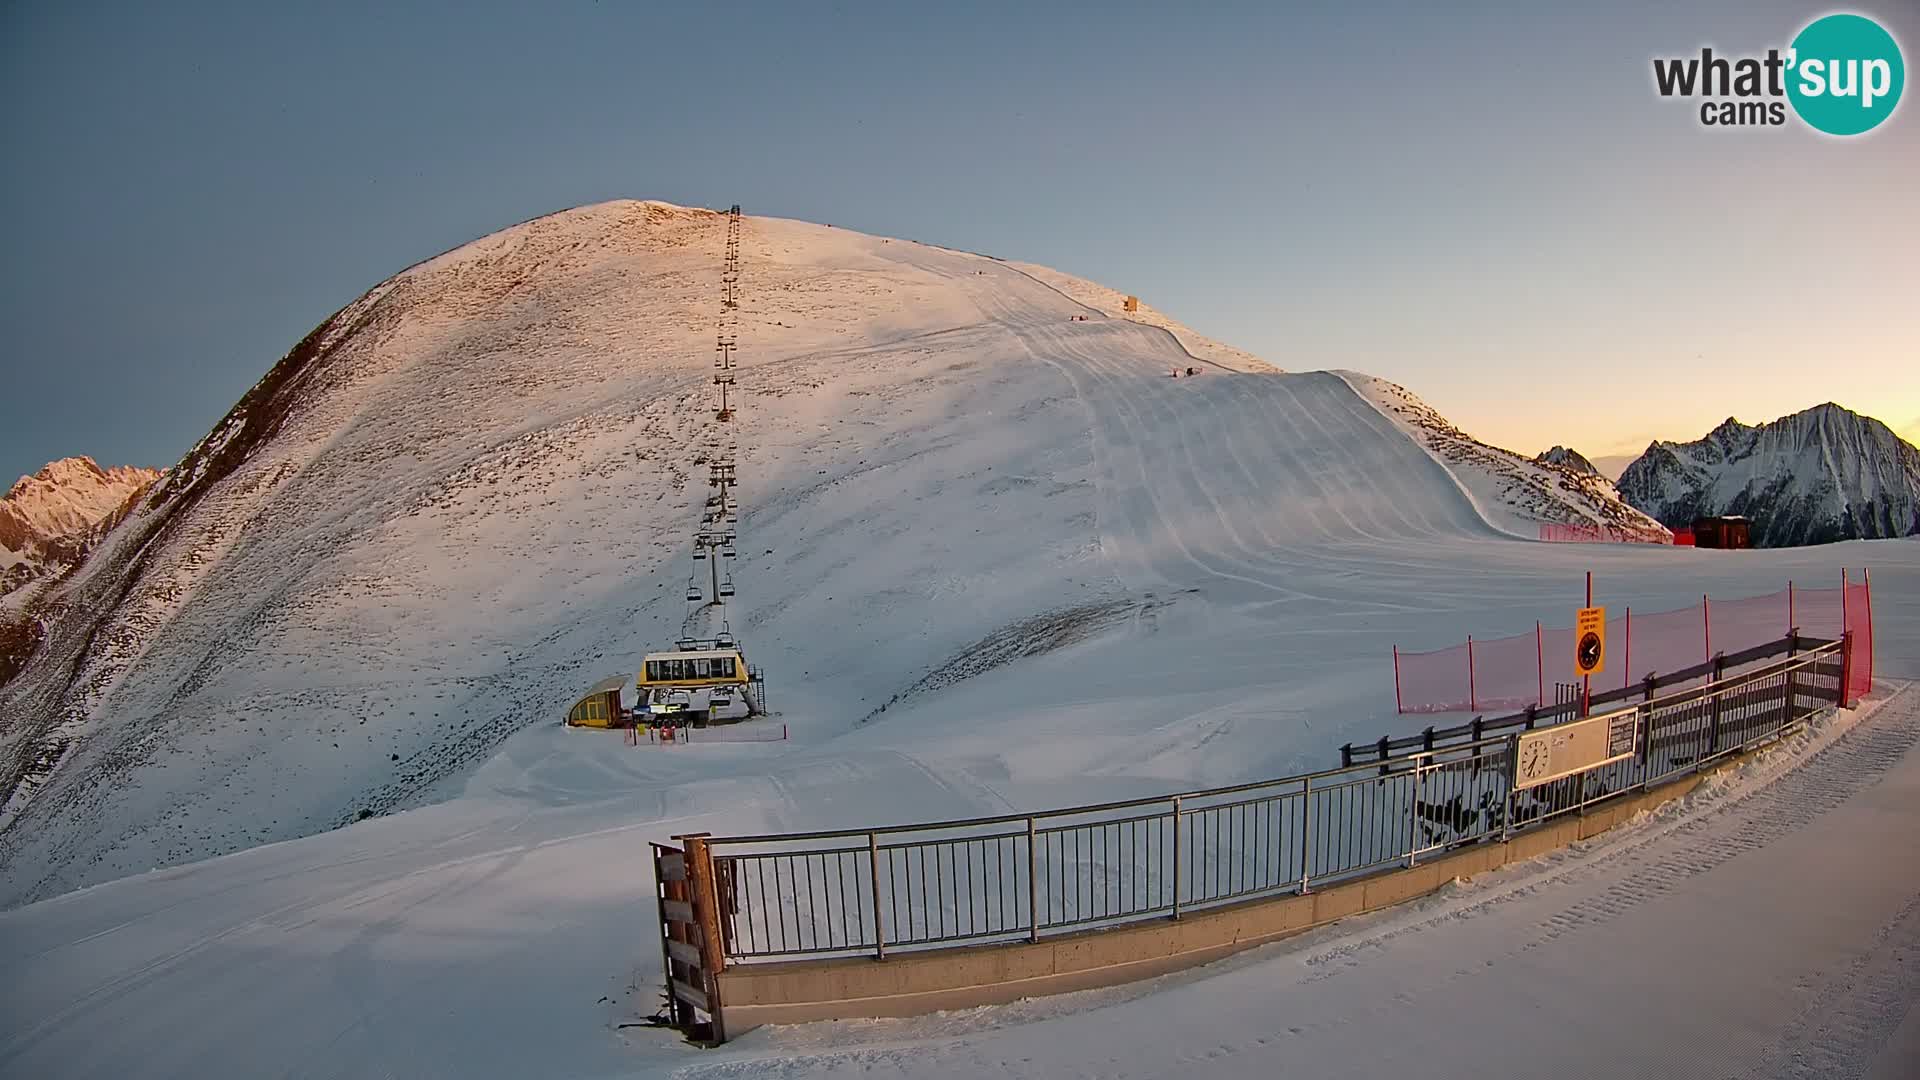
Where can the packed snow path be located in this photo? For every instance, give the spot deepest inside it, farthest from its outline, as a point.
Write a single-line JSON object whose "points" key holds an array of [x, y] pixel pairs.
{"points": [[1768, 927], [1773, 931]]}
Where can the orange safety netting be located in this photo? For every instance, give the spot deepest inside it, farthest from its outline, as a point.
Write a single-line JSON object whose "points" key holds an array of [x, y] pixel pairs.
{"points": [[1521, 670]]}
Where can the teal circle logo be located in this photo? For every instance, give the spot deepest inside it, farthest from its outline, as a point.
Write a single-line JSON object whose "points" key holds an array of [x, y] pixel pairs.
{"points": [[1844, 74]]}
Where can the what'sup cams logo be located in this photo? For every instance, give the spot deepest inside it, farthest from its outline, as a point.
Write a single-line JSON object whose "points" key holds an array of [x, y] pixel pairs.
{"points": [[1842, 75]]}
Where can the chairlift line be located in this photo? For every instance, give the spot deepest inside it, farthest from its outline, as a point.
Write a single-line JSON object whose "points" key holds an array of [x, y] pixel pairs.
{"points": [[694, 680]]}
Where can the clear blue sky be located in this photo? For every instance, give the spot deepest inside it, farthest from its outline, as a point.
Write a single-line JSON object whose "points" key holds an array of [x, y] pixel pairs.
{"points": [[1488, 204]]}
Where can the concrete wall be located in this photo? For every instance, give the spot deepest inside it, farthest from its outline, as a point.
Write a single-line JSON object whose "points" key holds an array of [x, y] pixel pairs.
{"points": [[907, 984]]}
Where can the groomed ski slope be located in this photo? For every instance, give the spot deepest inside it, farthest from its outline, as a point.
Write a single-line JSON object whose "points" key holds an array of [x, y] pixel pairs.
{"points": [[1068, 578]]}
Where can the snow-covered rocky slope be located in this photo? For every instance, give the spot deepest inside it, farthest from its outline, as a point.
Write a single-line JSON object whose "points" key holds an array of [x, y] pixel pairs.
{"points": [[469, 495], [1513, 492], [1820, 475]]}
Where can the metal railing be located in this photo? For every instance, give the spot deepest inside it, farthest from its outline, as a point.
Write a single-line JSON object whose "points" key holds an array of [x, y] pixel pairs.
{"points": [[1527, 719], [1022, 876]]}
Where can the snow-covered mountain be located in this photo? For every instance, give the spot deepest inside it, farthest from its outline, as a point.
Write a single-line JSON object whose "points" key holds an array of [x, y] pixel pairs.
{"points": [[969, 496], [469, 495], [48, 522], [1570, 458], [1820, 475], [1513, 492], [46, 516]]}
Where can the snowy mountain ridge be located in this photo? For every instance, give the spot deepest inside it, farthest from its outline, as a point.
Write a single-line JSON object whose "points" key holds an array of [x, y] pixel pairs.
{"points": [[1515, 493], [49, 522], [61, 502], [1823, 474]]}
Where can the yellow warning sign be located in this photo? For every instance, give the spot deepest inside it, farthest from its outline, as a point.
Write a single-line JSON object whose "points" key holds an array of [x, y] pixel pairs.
{"points": [[1590, 641]]}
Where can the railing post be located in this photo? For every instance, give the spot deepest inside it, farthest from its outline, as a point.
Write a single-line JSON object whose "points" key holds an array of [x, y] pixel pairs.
{"points": [[1787, 721], [1846, 666], [1306, 831], [1413, 812], [873, 872], [1643, 743], [1513, 780], [1176, 856], [1714, 696], [1033, 884]]}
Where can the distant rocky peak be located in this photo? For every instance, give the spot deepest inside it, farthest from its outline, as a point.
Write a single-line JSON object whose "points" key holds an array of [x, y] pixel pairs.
{"points": [[1824, 473], [66, 497], [1568, 458]]}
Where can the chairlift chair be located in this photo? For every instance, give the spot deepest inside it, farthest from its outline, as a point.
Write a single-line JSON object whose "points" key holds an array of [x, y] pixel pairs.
{"points": [[726, 587], [692, 595], [699, 553]]}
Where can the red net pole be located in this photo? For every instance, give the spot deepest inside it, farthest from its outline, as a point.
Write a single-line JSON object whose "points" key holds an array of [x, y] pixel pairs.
{"points": [[1473, 693], [1539, 666], [1398, 707], [1706, 623], [1626, 669], [1866, 576]]}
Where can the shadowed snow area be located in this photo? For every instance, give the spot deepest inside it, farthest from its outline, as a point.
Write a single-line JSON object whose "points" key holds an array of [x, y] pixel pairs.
{"points": [[991, 557]]}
